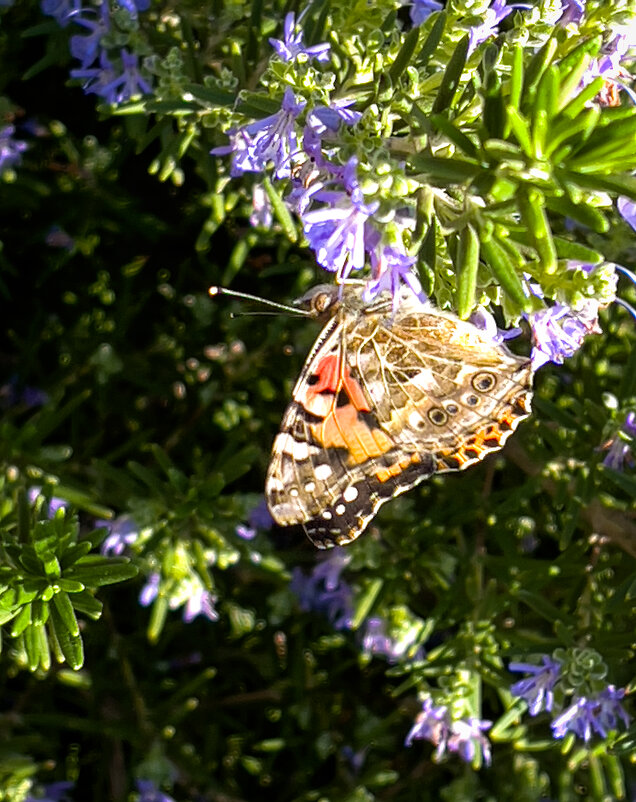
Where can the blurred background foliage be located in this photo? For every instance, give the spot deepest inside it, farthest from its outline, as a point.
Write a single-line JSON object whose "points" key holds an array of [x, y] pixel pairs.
{"points": [[159, 404]]}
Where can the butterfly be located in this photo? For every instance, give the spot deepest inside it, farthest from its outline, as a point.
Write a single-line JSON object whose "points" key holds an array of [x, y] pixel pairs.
{"points": [[387, 397]]}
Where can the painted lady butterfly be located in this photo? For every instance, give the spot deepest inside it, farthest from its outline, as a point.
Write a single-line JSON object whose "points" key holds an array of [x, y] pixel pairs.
{"points": [[384, 401]]}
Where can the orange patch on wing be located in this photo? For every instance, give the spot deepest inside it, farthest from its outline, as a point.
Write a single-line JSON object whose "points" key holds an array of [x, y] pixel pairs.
{"points": [[343, 428], [384, 474], [332, 379]]}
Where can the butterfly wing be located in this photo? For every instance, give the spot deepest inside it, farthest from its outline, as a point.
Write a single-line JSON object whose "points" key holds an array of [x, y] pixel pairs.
{"points": [[381, 404]]}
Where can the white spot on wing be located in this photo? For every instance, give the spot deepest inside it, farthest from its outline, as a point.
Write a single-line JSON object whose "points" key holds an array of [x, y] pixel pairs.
{"points": [[340, 509], [350, 494], [323, 472]]}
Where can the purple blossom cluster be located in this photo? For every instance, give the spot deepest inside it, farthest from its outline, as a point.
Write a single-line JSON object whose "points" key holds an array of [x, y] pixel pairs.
{"points": [[377, 642], [325, 591], [115, 77], [595, 712], [11, 149], [337, 221], [465, 737], [195, 598]]}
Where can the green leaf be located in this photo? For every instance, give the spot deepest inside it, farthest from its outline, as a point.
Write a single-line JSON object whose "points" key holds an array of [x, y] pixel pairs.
{"points": [[281, 211], [452, 76], [87, 604], [531, 203], [503, 269], [36, 647], [466, 267], [534, 72], [66, 613], [210, 96], [619, 184], [540, 605], [157, 618], [21, 621], [578, 103], [494, 115], [567, 249], [444, 171], [404, 54], [70, 646], [521, 129], [516, 80], [432, 40], [456, 136], [74, 553], [97, 571], [571, 131], [588, 216], [365, 601]]}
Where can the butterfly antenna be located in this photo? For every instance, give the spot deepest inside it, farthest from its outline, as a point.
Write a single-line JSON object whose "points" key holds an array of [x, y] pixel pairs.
{"points": [[213, 291]]}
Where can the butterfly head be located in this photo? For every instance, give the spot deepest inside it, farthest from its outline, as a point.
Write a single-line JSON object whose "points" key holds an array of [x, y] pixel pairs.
{"points": [[321, 301]]}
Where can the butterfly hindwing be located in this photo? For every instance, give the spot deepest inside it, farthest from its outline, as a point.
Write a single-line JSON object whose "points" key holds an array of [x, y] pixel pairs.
{"points": [[382, 402]]}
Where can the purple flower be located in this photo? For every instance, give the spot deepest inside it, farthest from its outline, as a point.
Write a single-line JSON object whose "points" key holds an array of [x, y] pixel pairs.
{"points": [[493, 16], [462, 736], [11, 149], [261, 216], [585, 716], [129, 84], [431, 724], [324, 591], [537, 689], [291, 47], [376, 642], [573, 11], [620, 449], [466, 736], [272, 139], [627, 209], [13, 394], [150, 590], [200, 602], [58, 238], [608, 66], [96, 78], [324, 119], [86, 48], [394, 268], [61, 10], [134, 6], [53, 792], [105, 82], [339, 232], [485, 321], [148, 792], [421, 10], [610, 709], [558, 331], [123, 532], [259, 518]]}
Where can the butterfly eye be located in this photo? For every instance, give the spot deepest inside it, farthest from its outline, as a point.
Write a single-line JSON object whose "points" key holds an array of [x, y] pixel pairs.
{"points": [[483, 382], [322, 302]]}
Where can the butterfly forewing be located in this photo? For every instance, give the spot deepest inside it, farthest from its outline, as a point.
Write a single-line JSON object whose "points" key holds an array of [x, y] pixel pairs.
{"points": [[382, 402]]}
